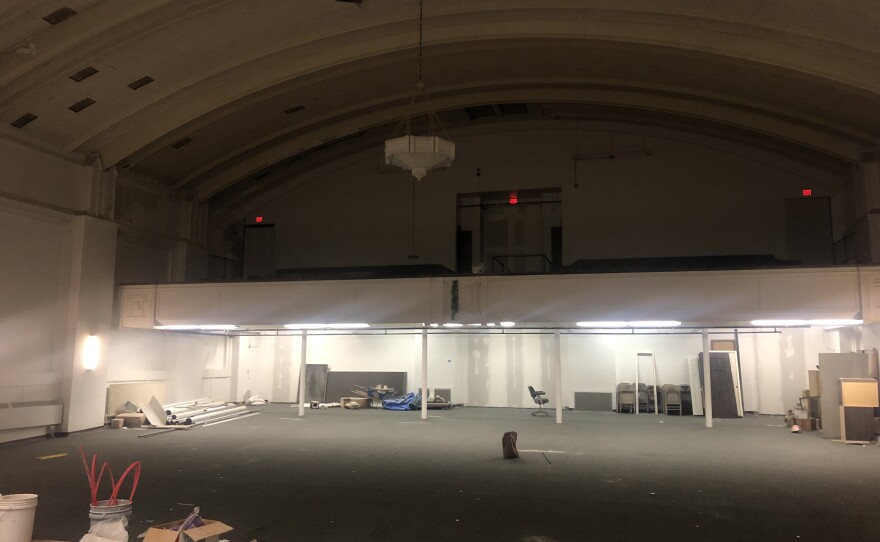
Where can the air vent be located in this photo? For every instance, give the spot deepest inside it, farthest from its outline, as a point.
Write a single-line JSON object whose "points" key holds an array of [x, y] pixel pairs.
{"points": [[59, 15], [182, 143], [143, 81], [24, 120], [80, 105], [84, 73], [513, 109], [480, 111], [294, 109]]}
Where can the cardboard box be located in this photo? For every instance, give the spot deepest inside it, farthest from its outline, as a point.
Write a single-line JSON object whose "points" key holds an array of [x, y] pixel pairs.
{"points": [[806, 424], [132, 419], [814, 383], [362, 402], [209, 533]]}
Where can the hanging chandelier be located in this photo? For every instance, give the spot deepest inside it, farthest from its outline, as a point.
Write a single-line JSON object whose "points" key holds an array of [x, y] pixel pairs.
{"points": [[419, 153]]}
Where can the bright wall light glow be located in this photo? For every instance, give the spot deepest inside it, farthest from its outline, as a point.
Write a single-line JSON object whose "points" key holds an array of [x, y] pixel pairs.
{"points": [[508, 324], [820, 322], [91, 352], [635, 323], [452, 324]]}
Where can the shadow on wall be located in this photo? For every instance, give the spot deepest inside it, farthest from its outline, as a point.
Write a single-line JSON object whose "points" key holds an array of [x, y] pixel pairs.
{"points": [[478, 370], [515, 379], [283, 381], [793, 366]]}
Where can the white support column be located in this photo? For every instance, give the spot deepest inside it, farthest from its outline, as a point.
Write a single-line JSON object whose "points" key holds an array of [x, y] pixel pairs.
{"points": [[424, 374], [558, 355], [302, 375], [707, 380]]}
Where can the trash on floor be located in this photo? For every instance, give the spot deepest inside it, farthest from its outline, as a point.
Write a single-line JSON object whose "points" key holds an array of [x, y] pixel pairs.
{"points": [[192, 528], [508, 445]]}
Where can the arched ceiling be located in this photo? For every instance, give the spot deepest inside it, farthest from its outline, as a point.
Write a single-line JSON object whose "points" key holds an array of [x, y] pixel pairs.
{"points": [[211, 96]]}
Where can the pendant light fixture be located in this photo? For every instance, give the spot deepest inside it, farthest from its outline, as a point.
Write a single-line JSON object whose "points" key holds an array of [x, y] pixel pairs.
{"points": [[419, 153]]}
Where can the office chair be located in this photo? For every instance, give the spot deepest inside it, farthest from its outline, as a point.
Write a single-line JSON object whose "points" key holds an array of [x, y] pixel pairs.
{"points": [[540, 400]]}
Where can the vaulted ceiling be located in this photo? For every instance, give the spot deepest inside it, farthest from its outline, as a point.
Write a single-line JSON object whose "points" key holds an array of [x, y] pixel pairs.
{"points": [[214, 96]]}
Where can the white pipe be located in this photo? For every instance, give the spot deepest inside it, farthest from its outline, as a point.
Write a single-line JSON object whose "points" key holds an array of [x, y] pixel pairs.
{"points": [[656, 391], [558, 355], [209, 416], [302, 375], [707, 380], [424, 374], [638, 397]]}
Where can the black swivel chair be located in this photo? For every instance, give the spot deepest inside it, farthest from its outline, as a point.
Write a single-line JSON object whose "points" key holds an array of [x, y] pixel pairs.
{"points": [[540, 400]]}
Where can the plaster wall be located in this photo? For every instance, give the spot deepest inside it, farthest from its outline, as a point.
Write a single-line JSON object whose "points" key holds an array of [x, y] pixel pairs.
{"points": [[42, 178], [685, 199], [190, 366]]}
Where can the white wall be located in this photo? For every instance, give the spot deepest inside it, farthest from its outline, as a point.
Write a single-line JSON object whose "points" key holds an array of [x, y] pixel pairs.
{"points": [[495, 370], [685, 199], [189, 365]]}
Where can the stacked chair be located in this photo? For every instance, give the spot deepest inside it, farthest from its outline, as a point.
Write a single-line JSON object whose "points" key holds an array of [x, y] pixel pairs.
{"points": [[626, 398], [671, 395]]}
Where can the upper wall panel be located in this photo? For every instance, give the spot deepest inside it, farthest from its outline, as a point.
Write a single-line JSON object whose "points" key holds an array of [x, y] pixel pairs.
{"points": [[722, 298]]}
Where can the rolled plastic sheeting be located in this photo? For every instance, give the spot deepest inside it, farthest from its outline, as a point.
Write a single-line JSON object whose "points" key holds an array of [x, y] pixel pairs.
{"points": [[215, 415]]}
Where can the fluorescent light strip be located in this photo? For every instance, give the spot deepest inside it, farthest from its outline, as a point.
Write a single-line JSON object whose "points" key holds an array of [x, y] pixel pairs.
{"points": [[801, 323], [200, 327], [508, 324], [452, 324], [635, 323], [327, 326]]}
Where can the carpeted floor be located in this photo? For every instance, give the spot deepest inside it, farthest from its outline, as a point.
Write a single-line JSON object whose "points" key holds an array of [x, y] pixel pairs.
{"points": [[381, 475]]}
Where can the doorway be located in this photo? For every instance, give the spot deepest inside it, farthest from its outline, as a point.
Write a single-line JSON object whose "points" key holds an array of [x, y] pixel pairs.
{"points": [[510, 232]]}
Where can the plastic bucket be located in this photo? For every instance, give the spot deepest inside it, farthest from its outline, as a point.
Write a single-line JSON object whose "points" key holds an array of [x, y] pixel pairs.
{"points": [[17, 517], [104, 511]]}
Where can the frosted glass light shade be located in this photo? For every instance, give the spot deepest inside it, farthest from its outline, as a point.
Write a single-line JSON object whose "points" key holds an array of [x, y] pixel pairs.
{"points": [[419, 154]]}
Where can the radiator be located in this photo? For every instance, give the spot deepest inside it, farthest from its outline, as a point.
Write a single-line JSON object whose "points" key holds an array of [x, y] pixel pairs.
{"points": [[29, 414]]}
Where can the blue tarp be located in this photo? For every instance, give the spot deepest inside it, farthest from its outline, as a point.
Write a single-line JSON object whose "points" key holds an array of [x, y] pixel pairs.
{"points": [[410, 401]]}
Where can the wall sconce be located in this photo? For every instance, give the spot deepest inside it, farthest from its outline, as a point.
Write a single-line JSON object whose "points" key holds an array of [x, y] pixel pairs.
{"points": [[91, 352]]}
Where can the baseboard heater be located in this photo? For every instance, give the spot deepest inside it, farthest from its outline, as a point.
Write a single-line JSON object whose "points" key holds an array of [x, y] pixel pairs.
{"points": [[24, 414]]}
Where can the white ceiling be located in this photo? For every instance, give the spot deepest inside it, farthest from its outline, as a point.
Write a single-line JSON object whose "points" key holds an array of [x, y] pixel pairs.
{"points": [[798, 78]]}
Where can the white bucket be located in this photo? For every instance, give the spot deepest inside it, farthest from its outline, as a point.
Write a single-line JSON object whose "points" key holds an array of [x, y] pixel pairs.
{"points": [[103, 511], [17, 517]]}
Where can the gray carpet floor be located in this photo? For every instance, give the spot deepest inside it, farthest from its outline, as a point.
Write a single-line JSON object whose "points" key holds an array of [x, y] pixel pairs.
{"points": [[382, 475]]}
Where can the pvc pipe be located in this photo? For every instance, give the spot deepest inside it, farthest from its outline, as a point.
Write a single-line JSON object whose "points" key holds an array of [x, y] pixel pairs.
{"points": [[208, 416], [656, 391], [190, 413], [557, 343], [707, 380], [638, 398], [424, 374], [302, 375]]}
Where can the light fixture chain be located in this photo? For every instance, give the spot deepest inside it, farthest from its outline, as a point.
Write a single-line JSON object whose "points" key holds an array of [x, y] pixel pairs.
{"points": [[420, 42]]}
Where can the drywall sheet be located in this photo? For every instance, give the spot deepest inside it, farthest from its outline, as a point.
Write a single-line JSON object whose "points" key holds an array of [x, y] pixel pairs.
{"points": [[342, 383], [593, 401], [833, 367], [138, 393]]}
